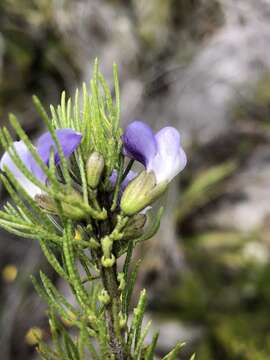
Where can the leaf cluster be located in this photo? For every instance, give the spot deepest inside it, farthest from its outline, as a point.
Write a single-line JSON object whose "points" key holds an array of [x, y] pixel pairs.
{"points": [[82, 231]]}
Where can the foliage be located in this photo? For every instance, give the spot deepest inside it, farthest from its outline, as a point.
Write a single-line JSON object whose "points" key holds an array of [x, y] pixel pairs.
{"points": [[228, 298]]}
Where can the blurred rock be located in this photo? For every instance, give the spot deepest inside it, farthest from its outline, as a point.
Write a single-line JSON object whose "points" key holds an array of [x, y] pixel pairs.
{"points": [[246, 205], [170, 331], [222, 71]]}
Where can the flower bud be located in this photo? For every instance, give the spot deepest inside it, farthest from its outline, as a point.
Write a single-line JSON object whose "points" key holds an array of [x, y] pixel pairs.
{"points": [[141, 192], [134, 227], [71, 211], [48, 204], [94, 169]]}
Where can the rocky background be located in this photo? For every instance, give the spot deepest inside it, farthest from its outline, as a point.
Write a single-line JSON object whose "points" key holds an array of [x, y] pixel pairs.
{"points": [[203, 66]]}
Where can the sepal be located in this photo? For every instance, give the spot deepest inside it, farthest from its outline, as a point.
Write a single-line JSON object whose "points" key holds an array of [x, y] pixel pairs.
{"points": [[141, 192], [135, 226]]}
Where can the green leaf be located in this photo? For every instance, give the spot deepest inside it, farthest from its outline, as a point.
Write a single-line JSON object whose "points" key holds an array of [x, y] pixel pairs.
{"points": [[117, 97], [53, 261], [69, 346], [130, 283], [175, 351], [141, 338], [55, 299], [104, 347], [151, 348], [135, 328], [60, 299], [128, 259], [84, 340], [81, 293], [56, 336]]}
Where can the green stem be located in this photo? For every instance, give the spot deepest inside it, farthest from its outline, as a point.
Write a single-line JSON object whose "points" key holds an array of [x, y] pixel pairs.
{"points": [[110, 283]]}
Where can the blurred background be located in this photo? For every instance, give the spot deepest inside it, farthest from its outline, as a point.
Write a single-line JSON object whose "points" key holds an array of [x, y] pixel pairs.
{"points": [[204, 67]]}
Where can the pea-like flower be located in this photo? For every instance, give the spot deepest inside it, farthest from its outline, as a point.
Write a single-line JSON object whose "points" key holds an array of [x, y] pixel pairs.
{"points": [[163, 158], [161, 152], [68, 140]]}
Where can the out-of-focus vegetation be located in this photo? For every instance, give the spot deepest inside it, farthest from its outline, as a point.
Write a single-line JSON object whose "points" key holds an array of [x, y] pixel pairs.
{"points": [[33, 57], [221, 211]]}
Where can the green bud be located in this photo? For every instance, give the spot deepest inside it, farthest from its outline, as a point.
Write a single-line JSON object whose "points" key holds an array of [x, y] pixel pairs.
{"points": [[46, 203], [141, 192], [104, 297], [94, 169], [72, 212], [134, 227]]}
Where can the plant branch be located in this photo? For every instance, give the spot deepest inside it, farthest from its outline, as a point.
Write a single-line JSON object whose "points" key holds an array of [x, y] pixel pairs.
{"points": [[110, 283]]}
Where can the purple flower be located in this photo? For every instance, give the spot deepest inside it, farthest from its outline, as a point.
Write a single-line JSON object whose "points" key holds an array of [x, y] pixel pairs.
{"points": [[68, 139], [161, 152]]}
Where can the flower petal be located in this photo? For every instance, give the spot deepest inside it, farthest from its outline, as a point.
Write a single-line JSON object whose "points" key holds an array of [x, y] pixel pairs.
{"points": [[130, 176], [139, 142], [171, 158], [68, 139], [113, 178], [26, 158]]}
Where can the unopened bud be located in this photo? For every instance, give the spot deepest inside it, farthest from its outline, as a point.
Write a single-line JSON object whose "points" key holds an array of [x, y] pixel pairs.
{"points": [[74, 213], [134, 227], [46, 203], [94, 169], [71, 211], [141, 192]]}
